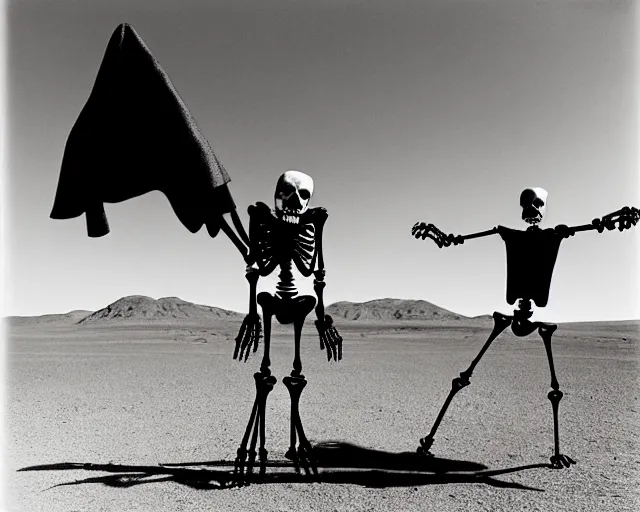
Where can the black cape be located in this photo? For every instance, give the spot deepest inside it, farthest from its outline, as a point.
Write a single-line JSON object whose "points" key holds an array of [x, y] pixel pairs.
{"points": [[531, 256], [135, 135]]}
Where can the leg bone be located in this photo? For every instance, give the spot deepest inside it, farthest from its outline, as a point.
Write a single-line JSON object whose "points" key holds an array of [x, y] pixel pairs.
{"points": [[303, 454], [255, 427], [558, 460], [501, 322]]}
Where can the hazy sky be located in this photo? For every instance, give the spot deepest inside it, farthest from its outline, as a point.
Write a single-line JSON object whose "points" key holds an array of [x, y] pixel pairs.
{"points": [[402, 111]]}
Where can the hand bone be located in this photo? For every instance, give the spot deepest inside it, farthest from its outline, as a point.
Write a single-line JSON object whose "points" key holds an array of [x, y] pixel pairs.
{"points": [[623, 219], [422, 230], [250, 334], [329, 338]]}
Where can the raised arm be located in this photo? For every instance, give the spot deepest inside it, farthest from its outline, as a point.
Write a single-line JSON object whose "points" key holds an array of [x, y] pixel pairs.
{"points": [[422, 230], [241, 239], [622, 219]]}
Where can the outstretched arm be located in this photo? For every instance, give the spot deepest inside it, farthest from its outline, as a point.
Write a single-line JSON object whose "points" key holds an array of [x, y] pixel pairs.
{"points": [[622, 219], [329, 336], [422, 230]]}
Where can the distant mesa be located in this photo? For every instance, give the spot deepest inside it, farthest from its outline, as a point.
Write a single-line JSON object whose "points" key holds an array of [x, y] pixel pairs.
{"points": [[72, 317], [483, 318], [146, 311], [392, 310], [139, 308]]}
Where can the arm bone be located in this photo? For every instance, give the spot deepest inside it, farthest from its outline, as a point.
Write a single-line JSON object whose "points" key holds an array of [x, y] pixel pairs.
{"points": [[329, 336], [423, 230], [251, 328], [621, 219]]}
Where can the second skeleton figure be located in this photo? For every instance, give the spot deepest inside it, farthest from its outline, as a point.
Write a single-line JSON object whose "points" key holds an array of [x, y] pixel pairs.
{"points": [[531, 256]]}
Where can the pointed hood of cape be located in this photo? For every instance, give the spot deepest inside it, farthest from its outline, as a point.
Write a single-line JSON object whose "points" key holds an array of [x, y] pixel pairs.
{"points": [[135, 135]]}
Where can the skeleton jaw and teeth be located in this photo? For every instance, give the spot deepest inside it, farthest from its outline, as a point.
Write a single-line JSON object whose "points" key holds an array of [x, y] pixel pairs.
{"points": [[293, 192], [292, 217], [534, 205]]}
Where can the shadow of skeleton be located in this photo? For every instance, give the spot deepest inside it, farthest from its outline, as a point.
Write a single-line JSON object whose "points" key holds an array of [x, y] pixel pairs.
{"points": [[339, 462]]}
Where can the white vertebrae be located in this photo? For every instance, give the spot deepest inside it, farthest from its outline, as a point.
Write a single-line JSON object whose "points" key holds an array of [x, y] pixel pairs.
{"points": [[293, 192]]}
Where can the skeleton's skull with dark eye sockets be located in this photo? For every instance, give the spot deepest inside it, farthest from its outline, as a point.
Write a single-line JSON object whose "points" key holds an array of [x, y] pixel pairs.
{"points": [[293, 192], [534, 204]]}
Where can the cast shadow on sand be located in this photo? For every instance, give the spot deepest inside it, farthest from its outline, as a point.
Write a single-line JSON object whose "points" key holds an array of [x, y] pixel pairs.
{"points": [[337, 462]]}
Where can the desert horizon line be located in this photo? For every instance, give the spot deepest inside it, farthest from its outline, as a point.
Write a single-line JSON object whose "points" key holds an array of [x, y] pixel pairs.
{"points": [[233, 310], [339, 302]]}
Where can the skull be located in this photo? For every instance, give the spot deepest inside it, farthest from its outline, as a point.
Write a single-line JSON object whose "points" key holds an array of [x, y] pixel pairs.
{"points": [[293, 192], [534, 204]]}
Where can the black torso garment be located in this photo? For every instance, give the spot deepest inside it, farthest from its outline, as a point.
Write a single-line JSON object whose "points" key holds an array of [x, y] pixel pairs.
{"points": [[531, 256]]}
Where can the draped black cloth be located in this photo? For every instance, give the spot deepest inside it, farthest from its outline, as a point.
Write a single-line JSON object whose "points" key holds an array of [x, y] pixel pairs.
{"points": [[135, 135], [531, 256]]}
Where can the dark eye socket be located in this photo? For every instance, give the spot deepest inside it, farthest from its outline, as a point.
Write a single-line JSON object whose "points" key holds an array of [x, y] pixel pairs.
{"points": [[304, 194], [538, 202], [288, 188]]}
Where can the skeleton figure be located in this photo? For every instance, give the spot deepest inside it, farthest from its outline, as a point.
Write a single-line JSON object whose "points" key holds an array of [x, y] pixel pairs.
{"points": [[148, 140], [290, 235], [531, 256]]}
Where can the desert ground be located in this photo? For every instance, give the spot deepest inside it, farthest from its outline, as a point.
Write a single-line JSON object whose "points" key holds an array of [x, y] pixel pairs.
{"points": [[124, 395]]}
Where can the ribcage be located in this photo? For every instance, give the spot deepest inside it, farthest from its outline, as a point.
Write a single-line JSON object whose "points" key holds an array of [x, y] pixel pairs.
{"points": [[304, 249], [274, 242]]}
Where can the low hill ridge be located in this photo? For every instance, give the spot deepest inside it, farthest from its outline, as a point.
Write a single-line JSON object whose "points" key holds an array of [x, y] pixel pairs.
{"points": [[71, 317], [391, 309], [143, 308]]}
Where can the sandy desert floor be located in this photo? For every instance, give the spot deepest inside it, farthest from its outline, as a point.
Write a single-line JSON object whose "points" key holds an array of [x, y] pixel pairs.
{"points": [[140, 396]]}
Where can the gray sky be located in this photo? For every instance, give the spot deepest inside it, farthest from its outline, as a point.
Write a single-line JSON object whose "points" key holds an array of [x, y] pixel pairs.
{"points": [[402, 111]]}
